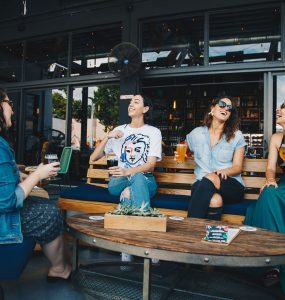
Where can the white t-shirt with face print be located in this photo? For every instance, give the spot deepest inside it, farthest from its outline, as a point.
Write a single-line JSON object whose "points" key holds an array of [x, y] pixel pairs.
{"points": [[136, 145]]}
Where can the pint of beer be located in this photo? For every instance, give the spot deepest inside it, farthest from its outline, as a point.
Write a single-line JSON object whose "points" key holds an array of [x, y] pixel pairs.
{"points": [[181, 152]]}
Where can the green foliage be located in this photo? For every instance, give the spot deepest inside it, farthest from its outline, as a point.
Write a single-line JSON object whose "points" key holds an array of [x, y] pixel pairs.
{"points": [[107, 101], [59, 107], [136, 211]]}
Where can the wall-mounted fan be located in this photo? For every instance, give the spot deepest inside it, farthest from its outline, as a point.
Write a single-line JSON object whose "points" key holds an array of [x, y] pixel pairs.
{"points": [[124, 60]]}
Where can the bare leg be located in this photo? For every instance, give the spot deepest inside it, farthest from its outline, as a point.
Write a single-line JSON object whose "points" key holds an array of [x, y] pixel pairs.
{"points": [[56, 253]]}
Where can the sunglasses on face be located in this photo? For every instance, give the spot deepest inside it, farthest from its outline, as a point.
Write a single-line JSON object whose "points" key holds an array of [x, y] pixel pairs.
{"points": [[223, 104]]}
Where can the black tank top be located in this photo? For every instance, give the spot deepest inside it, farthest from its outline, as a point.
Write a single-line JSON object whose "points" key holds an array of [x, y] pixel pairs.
{"points": [[281, 155]]}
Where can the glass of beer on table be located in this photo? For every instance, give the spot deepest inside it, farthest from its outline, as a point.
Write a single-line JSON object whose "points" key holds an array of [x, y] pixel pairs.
{"points": [[181, 152], [50, 158]]}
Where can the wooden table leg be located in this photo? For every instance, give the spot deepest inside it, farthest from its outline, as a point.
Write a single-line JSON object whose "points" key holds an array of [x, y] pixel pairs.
{"points": [[146, 279]]}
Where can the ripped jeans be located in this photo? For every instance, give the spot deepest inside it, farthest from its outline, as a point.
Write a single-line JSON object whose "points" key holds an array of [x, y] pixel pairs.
{"points": [[142, 187]]}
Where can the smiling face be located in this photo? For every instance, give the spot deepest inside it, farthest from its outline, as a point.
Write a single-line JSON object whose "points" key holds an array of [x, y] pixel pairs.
{"points": [[280, 114], [136, 107], [221, 111], [7, 111]]}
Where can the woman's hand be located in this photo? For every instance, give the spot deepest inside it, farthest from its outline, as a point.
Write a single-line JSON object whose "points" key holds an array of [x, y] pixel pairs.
{"points": [[222, 173], [23, 176], [268, 183], [119, 172], [115, 134], [48, 170]]}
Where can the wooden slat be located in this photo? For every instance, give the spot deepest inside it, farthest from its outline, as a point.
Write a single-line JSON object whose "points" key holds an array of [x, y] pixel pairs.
{"points": [[98, 173], [254, 182], [85, 206], [174, 178], [173, 191]]}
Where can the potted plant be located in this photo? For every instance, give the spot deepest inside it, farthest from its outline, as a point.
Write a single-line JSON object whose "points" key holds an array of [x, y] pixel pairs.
{"points": [[134, 218]]}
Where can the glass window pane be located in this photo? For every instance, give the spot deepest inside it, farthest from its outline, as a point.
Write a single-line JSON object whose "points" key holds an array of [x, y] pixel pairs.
{"points": [[245, 36], [90, 50], [46, 59], [11, 62], [173, 43], [45, 124]]}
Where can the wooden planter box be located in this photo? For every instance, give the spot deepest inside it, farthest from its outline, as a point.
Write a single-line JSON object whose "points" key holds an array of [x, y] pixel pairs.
{"points": [[135, 222]]}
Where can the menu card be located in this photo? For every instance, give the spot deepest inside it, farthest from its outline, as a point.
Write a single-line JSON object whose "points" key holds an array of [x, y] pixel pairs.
{"points": [[220, 234]]}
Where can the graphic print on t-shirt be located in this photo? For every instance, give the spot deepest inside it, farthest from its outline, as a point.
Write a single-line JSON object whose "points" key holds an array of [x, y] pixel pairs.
{"points": [[135, 150]]}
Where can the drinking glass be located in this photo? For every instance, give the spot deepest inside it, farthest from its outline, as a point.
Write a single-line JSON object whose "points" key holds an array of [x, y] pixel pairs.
{"points": [[181, 152], [50, 158], [112, 161]]}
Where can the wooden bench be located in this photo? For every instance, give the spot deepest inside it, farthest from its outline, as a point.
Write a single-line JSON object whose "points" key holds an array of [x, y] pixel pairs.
{"points": [[174, 181]]}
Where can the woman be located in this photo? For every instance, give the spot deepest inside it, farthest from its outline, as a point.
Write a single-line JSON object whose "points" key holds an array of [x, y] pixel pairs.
{"points": [[138, 146], [218, 149], [21, 215], [268, 212]]}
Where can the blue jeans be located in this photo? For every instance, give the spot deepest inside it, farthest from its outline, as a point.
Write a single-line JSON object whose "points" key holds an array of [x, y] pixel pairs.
{"points": [[142, 187]]}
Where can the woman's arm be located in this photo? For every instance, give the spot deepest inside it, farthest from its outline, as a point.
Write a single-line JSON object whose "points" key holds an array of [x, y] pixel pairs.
{"points": [[99, 150], [272, 160], [42, 172], [148, 167], [236, 168]]}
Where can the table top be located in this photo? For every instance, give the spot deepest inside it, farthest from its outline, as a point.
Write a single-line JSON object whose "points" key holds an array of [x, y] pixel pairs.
{"points": [[183, 242]]}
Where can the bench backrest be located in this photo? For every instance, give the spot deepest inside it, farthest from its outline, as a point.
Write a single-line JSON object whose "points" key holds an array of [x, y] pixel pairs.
{"points": [[174, 178]]}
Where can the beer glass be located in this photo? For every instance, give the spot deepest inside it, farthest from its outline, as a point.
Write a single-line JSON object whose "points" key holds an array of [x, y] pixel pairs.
{"points": [[181, 152], [50, 158], [112, 161]]}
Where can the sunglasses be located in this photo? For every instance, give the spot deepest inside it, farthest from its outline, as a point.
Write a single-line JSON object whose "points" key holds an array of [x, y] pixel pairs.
{"points": [[8, 101], [223, 104]]}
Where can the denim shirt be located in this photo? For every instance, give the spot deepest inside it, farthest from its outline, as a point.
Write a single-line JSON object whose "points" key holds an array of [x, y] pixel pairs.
{"points": [[11, 196], [220, 156]]}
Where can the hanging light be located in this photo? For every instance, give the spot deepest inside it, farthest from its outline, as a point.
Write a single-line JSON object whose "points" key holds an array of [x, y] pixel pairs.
{"points": [[174, 104]]}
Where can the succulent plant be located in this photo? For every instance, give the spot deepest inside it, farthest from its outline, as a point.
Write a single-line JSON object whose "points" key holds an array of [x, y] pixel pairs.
{"points": [[131, 210]]}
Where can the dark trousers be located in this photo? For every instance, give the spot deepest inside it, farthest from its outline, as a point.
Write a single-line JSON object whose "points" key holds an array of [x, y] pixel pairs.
{"points": [[203, 190]]}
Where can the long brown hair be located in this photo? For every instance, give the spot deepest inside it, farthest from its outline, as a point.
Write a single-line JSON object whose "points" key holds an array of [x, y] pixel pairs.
{"points": [[3, 128], [231, 125]]}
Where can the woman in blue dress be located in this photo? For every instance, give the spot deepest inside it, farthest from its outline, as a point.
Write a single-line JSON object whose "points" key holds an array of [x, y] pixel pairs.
{"points": [[268, 212]]}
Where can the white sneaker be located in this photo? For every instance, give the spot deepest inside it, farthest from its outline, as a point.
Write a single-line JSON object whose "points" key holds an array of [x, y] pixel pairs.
{"points": [[125, 257]]}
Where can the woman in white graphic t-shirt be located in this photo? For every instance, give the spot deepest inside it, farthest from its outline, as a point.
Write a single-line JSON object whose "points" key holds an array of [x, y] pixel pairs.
{"points": [[137, 146]]}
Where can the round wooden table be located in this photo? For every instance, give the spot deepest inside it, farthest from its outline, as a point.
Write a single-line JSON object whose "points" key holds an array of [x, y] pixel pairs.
{"points": [[183, 242]]}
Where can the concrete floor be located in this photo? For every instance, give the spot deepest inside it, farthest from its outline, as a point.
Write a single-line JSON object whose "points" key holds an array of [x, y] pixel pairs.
{"points": [[216, 284]]}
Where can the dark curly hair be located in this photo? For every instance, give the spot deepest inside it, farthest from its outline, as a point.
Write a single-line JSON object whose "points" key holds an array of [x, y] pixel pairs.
{"points": [[147, 102], [3, 128], [231, 125]]}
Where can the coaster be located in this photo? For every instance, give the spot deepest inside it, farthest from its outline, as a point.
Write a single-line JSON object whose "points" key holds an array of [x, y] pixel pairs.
{"points": [[248, 228], [96, 218], [176, 218]]}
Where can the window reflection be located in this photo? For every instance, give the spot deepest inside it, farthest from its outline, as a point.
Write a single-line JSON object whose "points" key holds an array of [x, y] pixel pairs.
{"points": [[10, 62], [245, 36], [46, 59], [90, 50], [173, 43]]}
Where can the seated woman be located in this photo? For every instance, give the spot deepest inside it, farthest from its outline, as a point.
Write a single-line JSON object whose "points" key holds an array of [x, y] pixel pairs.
{"points": [[138, 146], [21, 215], [268, 212], [218, 149]]}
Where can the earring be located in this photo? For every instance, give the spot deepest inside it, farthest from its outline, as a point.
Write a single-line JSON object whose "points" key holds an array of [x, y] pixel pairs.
{"points": [[211, 113]]}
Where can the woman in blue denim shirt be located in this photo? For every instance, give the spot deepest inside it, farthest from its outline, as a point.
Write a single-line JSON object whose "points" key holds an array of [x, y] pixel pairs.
{"points": [[218, 149], [21, 215]]}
